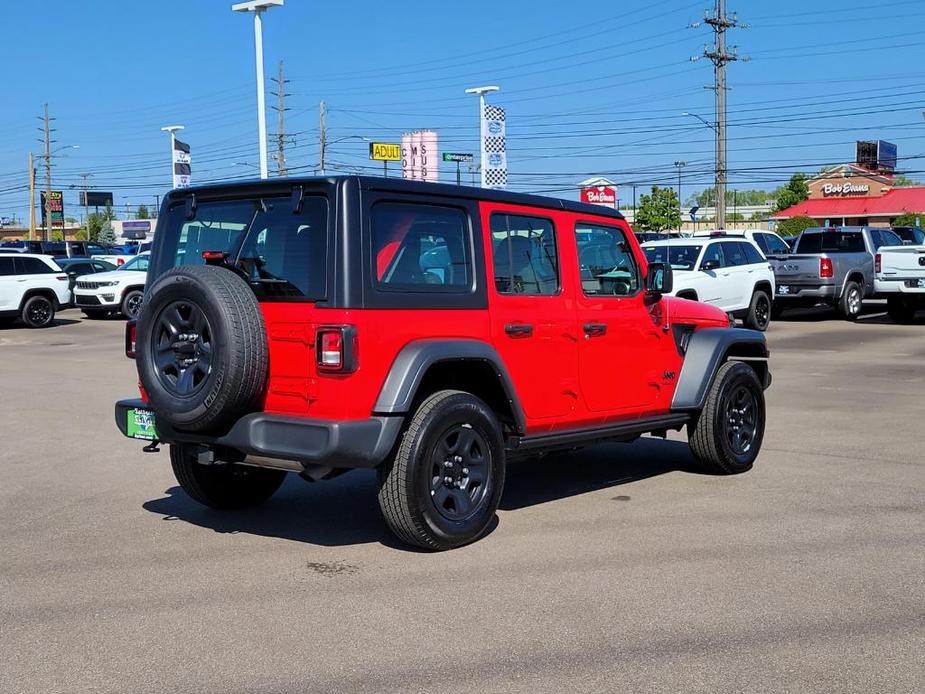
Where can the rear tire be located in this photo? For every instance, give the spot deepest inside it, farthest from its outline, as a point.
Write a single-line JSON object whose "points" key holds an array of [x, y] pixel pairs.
{"points": [[38, 312], [901, 309], [852, 299], [759, 311], [442, 488], [224, 486], [727, 434]]}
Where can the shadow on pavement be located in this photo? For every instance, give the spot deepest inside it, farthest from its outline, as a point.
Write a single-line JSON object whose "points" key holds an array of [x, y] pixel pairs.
{"points": [[344, 511], [19, 325]]}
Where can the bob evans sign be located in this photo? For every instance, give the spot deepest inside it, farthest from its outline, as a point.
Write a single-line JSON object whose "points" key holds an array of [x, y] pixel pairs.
{"points": [[600, 195], [834, 189]]}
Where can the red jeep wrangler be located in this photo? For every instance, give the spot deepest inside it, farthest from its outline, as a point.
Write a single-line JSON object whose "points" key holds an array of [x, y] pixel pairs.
{"points": [[432, 332]]}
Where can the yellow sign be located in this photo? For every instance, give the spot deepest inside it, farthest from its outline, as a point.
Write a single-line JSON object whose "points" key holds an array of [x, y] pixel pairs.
{"points": [[384, 151]]}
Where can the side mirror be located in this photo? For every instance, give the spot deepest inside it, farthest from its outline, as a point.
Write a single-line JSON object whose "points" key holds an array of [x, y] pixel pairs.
{"points": [[709, 265], [659, 279]]}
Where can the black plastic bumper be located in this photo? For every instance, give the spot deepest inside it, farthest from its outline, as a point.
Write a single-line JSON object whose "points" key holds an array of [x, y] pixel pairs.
{"points": [[342, 444]]}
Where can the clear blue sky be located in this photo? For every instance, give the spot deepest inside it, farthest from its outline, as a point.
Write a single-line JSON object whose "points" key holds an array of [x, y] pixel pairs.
{"points": [[590, 88]]}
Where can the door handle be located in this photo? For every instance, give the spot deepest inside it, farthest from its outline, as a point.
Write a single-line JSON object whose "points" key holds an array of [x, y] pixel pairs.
{"points": [[519, 329], [595, 329]]}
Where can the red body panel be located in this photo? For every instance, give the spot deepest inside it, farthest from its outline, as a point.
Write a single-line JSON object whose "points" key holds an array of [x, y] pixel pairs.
{"points": [[563, 379]]}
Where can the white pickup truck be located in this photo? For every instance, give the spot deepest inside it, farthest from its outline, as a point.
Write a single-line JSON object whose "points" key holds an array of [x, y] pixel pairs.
{"points": [[899, 275]]}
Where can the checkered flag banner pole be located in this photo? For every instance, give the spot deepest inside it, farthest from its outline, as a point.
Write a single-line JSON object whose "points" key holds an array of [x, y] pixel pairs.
{"points": [[494, 157]]}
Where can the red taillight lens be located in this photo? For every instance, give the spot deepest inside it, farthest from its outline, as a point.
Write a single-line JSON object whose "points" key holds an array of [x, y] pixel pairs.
{"points": [[131, 331], [336, 349], [878, 263], [120, 261], [825, 268]]}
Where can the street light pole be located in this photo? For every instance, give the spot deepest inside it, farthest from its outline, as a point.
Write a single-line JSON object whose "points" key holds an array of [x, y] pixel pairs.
{"points": [[172, 129], [482, 91], [258, 7]]}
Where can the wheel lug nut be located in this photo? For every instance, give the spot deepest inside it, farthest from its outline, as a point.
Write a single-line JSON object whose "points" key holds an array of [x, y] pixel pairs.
{"points": [[465, 471], [447, 464], [448, 480], [458, 458]]}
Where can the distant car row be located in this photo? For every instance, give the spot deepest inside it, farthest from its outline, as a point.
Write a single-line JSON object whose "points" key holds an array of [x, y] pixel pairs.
{"points": [[755, 276], [33, 287], [116, 254]]}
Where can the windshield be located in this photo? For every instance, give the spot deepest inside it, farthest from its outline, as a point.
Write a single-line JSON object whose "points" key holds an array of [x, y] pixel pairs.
{"points": [[139, 264], [910, 235], [281, 252], [831, 242], [679, 257]]}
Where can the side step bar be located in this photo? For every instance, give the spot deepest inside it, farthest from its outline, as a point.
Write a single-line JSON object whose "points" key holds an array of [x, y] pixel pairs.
{"points": [[618, 430]]}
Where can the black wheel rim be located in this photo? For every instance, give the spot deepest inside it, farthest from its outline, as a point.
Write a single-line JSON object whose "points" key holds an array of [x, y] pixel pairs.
{"points": [[742, 418], [762, 311], [133, 305], [460, 472], [181, 344], [39, 312]]}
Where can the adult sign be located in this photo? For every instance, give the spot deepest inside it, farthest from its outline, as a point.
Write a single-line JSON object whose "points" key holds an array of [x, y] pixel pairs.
{"points": [[385, 151], [606, 196]]}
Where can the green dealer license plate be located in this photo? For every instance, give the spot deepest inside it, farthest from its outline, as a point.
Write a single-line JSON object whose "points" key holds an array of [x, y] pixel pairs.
{"points": [[140, 425]]}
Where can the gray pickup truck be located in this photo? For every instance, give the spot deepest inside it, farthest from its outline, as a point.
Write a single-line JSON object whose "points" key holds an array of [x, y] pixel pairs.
{"points": [[829, 265]]}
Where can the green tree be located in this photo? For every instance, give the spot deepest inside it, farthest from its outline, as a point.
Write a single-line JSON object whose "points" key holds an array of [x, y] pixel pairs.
{"points": [[795, 225], [900, 181], [106, 235], [81, 234], [108, 214], [795, 192], [93, 226], [142, 212], [707, 197], [659, 211], [57, 235], [909, 219]]}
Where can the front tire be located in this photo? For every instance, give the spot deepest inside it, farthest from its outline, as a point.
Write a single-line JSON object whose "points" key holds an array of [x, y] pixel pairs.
{"points": [[849, 306], [726, 437], [442, 488], [131, 304], [225, 486], [759, 311], [38, 312], [901, 309]]}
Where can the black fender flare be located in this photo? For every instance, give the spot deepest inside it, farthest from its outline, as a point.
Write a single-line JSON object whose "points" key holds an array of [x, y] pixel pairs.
{"points": [[415, 358], [707, 350]]}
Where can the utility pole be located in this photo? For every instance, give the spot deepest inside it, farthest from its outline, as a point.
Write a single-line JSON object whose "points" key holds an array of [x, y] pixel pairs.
{"points": [[85, 187], [31, 198], [719, 57], [281, 131], [48, 130], [680, 165], [322, 141]]}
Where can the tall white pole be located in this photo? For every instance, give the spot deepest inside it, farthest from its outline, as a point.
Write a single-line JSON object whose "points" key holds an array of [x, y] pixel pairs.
{"points": [[261, 107], [173, 148], [482, 138]]}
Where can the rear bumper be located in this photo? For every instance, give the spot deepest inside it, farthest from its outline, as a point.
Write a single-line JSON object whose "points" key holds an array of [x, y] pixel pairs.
{"points": [[897, 286], [360, 443], [802, 292]]}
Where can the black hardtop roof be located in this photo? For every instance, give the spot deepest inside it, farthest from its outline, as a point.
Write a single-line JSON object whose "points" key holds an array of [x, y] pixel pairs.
{"points": [[399, 185]]}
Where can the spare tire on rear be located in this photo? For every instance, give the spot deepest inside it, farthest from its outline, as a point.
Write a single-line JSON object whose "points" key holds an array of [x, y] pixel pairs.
{"points": [[201, 348]]}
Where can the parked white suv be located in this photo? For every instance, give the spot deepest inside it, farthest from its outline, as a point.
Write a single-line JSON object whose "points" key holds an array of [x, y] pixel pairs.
{"points": [[899, 275], [120, 290], [726, 271], [768, 242], [32, 287]]}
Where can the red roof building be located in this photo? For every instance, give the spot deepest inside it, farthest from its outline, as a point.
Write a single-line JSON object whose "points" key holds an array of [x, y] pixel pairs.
{"points": [[852, 195]]}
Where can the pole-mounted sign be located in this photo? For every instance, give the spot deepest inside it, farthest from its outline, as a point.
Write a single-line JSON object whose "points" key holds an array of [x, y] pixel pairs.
{"points": [[464, 157], [385, 151]]}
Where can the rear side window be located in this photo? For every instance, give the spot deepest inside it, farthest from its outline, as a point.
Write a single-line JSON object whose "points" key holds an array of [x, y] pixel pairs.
{"points": [[605, 260], [752, 255], [525, 256], [420, 247], [734, 252], [831, 242], [774, 244], [32, 266], [6, 266], [282, 253], [885, 238]]}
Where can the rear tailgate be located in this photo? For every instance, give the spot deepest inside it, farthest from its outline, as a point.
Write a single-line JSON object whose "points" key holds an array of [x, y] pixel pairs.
{"points": [[901, 262], [796, 269]]}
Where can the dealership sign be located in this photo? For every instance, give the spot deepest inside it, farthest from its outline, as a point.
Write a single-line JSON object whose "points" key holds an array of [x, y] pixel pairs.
{"points": [[833, 189], [600, 195]]}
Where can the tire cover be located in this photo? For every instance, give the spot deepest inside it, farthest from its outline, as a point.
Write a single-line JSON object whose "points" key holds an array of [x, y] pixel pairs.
{"points": [[206, 321]]}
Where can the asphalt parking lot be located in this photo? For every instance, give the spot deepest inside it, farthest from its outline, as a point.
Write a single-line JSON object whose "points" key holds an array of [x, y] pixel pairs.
{"points": [[614, 569]]}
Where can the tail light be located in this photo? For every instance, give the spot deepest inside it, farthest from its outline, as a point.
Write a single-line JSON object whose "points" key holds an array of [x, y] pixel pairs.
{"points": [[120, 261], [878, 263], [825, 268], [336, 349], [131, 331]]}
